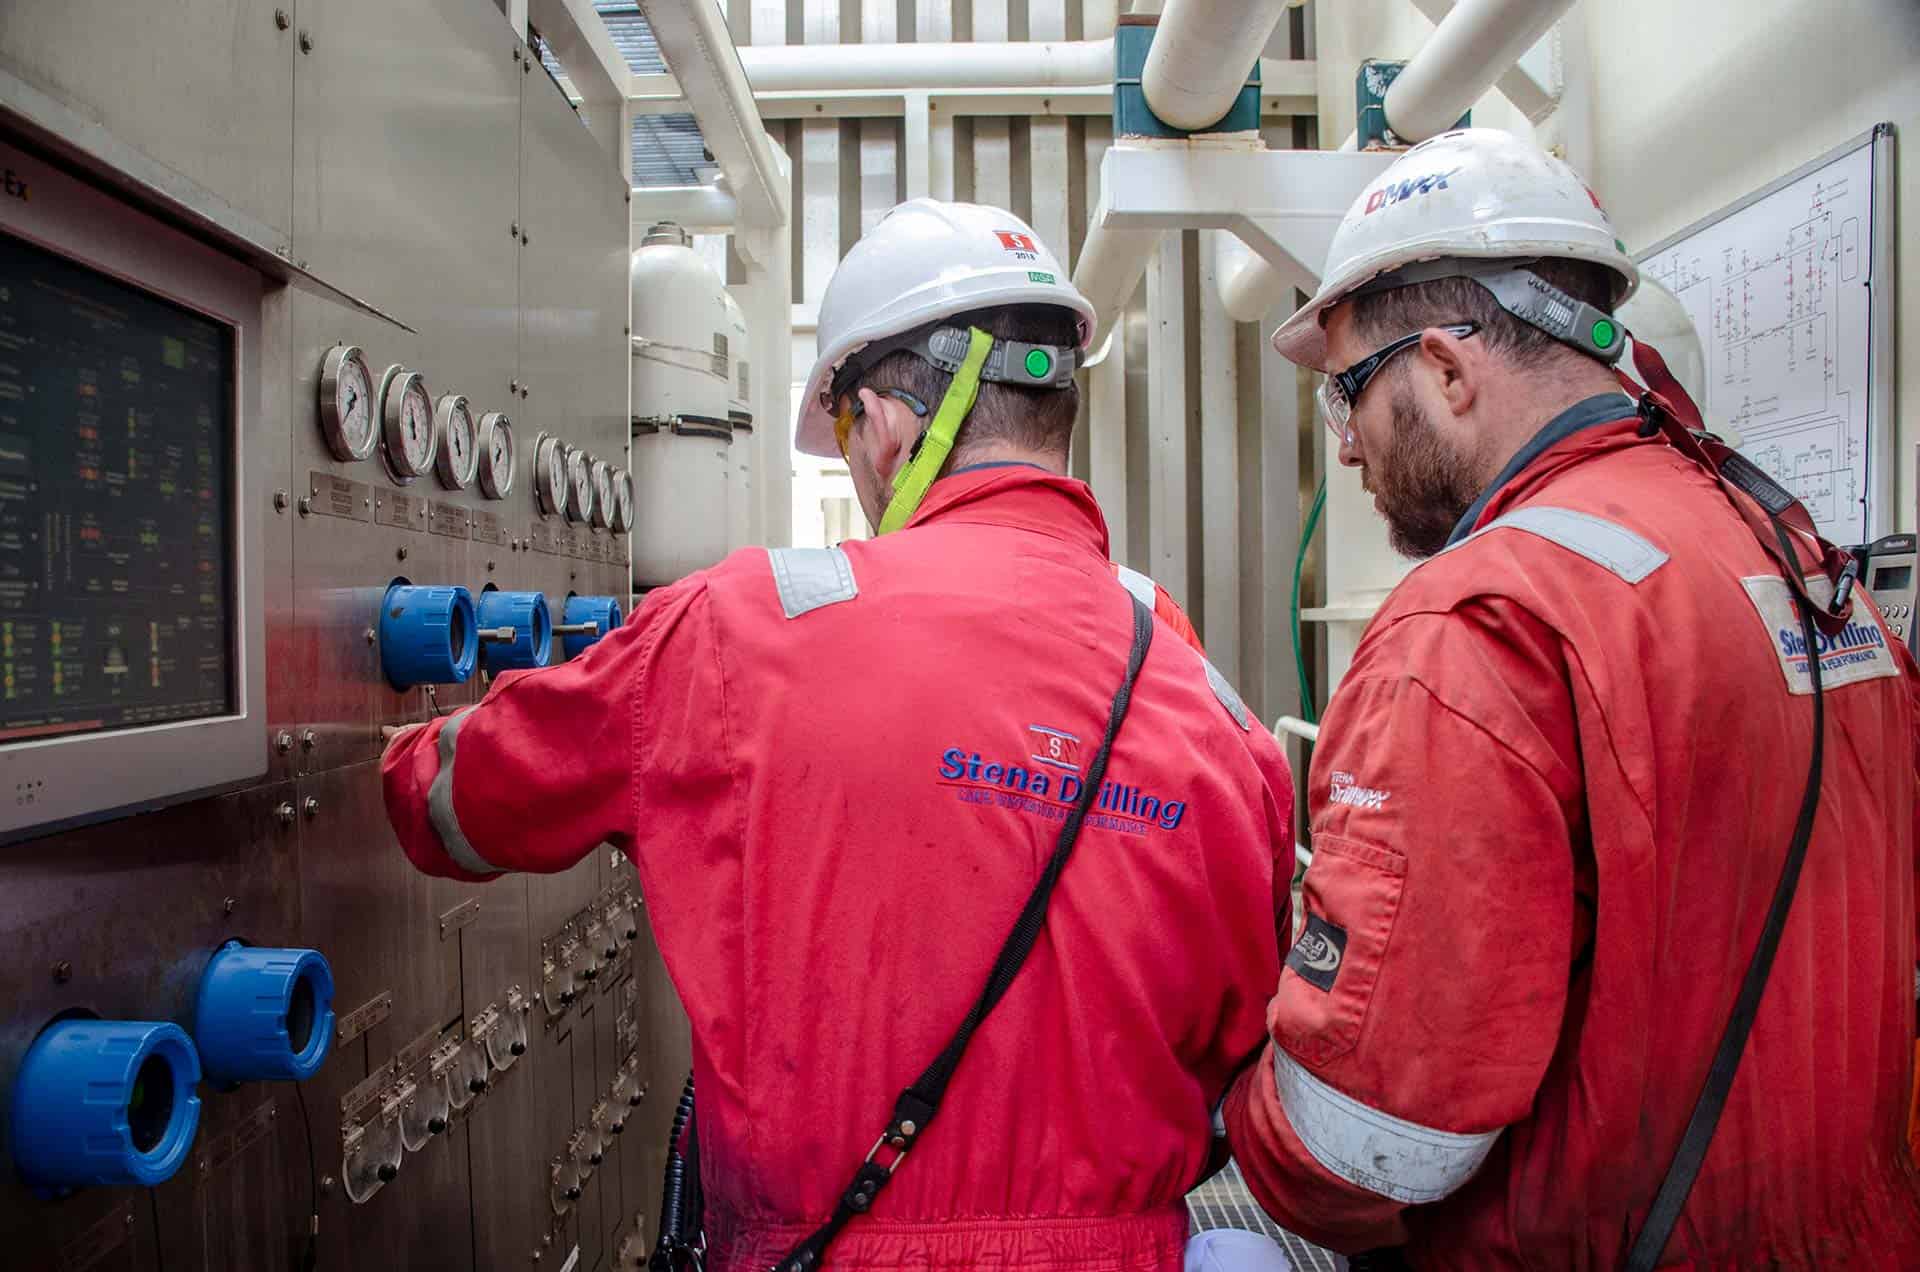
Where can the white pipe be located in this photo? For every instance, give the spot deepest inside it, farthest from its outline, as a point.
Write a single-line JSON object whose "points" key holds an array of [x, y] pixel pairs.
{"points": [[1099, 17], [1471, 48], [1296, 726], [1111, 265], [697, 207], [1202, 53], [804, 68], [1440, 82]]}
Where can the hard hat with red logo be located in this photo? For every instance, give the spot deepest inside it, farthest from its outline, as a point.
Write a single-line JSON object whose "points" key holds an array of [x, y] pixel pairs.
{"points": [[1476, 203], [927, 260]]}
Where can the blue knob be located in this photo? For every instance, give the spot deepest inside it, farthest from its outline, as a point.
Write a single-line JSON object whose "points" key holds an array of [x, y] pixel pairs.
{"points": [[526, 613], [104, 1102], [263, 1014], [602, 611], [427, 636]]}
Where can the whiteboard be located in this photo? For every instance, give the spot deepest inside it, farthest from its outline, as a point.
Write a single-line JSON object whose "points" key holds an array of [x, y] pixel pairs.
{"points": [[1791, 290]]}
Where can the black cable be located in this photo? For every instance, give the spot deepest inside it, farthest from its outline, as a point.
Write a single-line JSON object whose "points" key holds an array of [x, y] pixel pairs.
{"points": [[310, 1257], [159, 1247]]}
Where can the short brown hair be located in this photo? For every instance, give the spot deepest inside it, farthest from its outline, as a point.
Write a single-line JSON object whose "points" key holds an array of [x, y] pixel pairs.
{"points": [[1032, 419], [1382, 316]]}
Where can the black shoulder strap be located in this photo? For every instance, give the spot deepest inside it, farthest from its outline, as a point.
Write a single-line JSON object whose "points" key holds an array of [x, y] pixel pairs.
{"points": [[915, 1108], [1692, 1153]]}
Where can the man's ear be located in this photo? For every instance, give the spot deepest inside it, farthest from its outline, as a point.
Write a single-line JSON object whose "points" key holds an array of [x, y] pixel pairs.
{"points": [[1456, 366], [891, 429]]}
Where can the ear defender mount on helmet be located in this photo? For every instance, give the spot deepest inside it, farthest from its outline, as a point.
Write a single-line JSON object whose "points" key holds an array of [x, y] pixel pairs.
{"points": [[1525, 295]]}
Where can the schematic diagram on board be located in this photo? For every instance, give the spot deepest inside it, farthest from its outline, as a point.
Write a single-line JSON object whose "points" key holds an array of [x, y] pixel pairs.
{"points": [[1780, 290]]}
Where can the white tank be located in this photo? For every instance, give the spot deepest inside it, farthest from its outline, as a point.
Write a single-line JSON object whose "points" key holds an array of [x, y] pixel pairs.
{"points": [[740, 416], [682, 436]]}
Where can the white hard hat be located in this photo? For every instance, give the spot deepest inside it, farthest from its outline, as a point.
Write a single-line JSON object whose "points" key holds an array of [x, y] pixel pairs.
{"points": [[1474, 194], [924, 261], [1656, 316]]}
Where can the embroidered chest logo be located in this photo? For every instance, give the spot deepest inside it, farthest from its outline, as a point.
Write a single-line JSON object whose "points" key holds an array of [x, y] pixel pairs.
{"points": [[1347, 791], [1316, 956], [1858, 651]]}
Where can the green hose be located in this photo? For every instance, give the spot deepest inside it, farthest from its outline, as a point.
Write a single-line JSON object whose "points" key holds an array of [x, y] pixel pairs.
{"points": [[1307, 712]]}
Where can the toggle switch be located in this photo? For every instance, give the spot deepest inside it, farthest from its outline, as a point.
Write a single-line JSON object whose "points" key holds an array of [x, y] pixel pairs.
{"points": [[428, 635], [263, 1014], [585, 621], [104, 1102], [516, 633]]}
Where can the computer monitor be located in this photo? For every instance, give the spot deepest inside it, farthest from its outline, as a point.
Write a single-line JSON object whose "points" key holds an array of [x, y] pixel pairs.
{"points": [[130, 625]]}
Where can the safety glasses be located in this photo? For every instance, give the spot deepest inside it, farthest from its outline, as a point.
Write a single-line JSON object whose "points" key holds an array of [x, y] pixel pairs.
{"points": [[843, 423], [1341, 389]]}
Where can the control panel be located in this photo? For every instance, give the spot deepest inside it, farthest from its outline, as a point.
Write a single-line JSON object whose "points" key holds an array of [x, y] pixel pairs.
{"points": [[1887, 570]]}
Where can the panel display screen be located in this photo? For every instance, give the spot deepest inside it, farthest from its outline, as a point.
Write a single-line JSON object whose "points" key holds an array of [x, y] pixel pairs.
{"points": [[116, 554], [1894, 578]]}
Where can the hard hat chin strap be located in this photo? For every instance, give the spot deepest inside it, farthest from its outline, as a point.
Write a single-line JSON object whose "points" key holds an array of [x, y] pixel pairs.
{"points": [[936, 443]]}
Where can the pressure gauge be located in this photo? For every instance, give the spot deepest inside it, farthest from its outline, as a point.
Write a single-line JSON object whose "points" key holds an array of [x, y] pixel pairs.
{"points": [[406, 414], [346, 403], [496, 455], [620, 517], [453, 425], [580, 477], [602, 492], [550, 475]]}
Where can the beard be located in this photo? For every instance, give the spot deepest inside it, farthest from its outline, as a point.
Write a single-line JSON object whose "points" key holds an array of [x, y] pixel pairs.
{"points": [[1423, 486]]}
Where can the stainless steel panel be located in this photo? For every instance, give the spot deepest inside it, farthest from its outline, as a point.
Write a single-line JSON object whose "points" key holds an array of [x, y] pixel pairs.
{"points": [[204, 88]]}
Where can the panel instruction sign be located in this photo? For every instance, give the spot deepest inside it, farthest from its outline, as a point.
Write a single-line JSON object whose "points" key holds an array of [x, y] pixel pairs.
{"points": [[1782, 288]]}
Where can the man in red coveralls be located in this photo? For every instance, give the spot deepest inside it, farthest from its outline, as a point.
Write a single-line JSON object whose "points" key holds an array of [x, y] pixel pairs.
{"points": [[1555, 791], [841, 770]]}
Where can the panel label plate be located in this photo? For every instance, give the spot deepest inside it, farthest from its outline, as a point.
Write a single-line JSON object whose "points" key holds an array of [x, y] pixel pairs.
{"points": [[487, 527], [447, 519], [96, 1243], [544, 536], [337, 497], [363, 1017], [400, 509]]}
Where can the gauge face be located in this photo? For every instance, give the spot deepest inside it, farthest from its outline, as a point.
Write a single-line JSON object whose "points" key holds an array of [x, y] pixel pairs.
{"points": [[602, 492], [621, 515], [346, 403], [407, 423], [550, 475], [459, 452], [495, 455], [580, 477]]}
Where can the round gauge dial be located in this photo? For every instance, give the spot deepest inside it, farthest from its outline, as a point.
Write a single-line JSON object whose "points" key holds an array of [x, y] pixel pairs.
{"points": [[602, 492], [459, 450], [496, 458], [550, 475], [407, 423], [620, 517], [580, 477], [346, 403]]}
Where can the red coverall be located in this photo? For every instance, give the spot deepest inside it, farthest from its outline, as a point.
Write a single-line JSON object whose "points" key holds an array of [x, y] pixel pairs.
{"points": [[1550, 808], [840, 772]]}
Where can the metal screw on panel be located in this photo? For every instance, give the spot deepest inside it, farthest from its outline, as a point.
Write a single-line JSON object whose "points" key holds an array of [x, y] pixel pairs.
{"points": [[526, 67], [513, 386], [524, 390], [369, 634], [513, 231], [401, 552], [284, 742], [62, 972], [312, 807], [280, 500], [306, 41], [516, 55], [281, 20], [489, 567], [523, 238], [229, 906], [286, 814], [326, 1185], [307, 739], [306, 505]]}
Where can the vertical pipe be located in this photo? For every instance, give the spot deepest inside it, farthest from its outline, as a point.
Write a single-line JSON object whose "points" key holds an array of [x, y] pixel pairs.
{"points": [[1218, 400], [1167, 412]]}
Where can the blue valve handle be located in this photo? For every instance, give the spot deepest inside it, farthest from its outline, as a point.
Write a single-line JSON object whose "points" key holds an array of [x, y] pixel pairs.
{"points": [[428, 636], [264, 1014], [104, 1102], [526, 614], [602, 612]]}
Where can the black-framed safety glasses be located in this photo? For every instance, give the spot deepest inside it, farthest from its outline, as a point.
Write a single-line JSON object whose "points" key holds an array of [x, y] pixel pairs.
{"points": [[1341, 389]]}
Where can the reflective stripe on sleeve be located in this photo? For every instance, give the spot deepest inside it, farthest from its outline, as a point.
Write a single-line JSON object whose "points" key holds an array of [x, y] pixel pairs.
{"points": [[1600, 541], [809, 578], [1376, 1151], [1137, 583], [440, 814]]}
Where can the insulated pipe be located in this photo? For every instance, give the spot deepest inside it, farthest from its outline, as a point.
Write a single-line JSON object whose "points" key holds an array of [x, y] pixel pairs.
{"points": [[1471, 48], [1200, 57], [802, 68], [1111, 265]]}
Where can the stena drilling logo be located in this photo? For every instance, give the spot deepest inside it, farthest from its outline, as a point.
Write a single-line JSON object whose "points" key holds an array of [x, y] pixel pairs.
{"points": [[1400, 191], [1017, 245], [1856, 652], [1346, 791]]}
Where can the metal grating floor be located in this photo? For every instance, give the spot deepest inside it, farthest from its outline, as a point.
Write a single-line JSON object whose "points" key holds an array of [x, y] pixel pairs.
{"points": [[1224, 1202]]}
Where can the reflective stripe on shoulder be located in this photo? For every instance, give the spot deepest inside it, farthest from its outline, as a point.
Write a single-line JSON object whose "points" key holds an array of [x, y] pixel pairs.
{"points": [[809, 578], [1228, 698], [1598, 540], [1139, 584], [1378, 1152], [440, 814]]}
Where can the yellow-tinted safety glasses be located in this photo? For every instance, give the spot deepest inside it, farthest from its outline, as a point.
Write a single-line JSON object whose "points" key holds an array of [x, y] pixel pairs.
{"points": [[843, 423]]}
